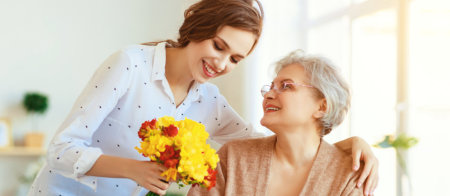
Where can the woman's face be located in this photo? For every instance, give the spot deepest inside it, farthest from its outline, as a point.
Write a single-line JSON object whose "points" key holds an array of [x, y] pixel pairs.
{"points": [[294, 105], [218, 56]]}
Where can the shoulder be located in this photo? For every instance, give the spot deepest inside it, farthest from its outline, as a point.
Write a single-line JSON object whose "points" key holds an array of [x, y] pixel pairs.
{"points": [[209, 89], [249, 146], [336, 157], [330, 149], [137, 51], [339, 166]]}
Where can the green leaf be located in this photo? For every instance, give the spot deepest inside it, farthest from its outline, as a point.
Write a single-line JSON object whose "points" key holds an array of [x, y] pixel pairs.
{"points": [[35, 103], [401, 142], [385, 143], [404, 142]]}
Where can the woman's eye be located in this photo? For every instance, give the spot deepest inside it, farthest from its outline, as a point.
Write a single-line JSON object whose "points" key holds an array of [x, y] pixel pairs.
{"points": [[217, 46], [286, 86], [233, 60]]}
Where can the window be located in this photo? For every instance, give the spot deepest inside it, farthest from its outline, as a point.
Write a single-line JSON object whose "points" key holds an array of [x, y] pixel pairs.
{"points": [[429, 111], [394, 54]]}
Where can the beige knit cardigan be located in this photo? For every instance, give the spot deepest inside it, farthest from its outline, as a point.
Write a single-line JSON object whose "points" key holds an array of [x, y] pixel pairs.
{"points": [[244, 170]]}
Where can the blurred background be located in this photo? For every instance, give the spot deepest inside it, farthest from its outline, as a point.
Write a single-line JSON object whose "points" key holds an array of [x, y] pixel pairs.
{"points": [[393, 53]]}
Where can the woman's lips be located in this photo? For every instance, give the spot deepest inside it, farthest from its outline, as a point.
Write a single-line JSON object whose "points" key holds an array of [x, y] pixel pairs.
{"points": [[208, 70]]}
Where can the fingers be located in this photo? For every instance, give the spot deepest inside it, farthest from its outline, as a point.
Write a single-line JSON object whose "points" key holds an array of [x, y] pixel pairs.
{"points": [[156, 190], [372, 180], [158, 166], [151, 179], [356, 159], [367, 187], [370, 186], [366, 171], [376, 184], [157, 186], [369, 175]]}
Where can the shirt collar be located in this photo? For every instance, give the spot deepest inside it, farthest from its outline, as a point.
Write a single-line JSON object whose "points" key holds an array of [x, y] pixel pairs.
{"points": [[159, 70], [197, 91], [159, 62]]}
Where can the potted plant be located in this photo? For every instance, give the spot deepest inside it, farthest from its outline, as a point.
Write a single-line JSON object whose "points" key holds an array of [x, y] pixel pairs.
{"points": [[35, 104], [401, 143]]}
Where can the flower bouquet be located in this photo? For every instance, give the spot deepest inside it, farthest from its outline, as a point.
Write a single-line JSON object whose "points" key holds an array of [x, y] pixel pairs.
{"points": [[181, 147]]}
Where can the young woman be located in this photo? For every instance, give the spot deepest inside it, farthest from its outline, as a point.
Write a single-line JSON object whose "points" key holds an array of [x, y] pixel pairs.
{"points": [[306, 100], [93, 151]]}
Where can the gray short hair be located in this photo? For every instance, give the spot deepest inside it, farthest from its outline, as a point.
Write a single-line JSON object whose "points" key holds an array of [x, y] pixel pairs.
{"points": [[328, 81]]}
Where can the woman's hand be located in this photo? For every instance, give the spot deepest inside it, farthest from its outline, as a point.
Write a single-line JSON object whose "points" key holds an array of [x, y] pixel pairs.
{"points": [[361, 151], [148, 175]]}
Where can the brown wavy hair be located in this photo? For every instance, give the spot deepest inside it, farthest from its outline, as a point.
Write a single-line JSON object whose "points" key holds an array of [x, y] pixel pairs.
{"points": [[205, 18]]}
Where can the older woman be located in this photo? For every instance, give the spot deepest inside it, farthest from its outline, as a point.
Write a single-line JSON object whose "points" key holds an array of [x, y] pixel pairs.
{"points": [[306, 100]]}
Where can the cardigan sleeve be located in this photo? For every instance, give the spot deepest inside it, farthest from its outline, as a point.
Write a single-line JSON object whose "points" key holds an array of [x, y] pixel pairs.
{"points": [[69, 152]]}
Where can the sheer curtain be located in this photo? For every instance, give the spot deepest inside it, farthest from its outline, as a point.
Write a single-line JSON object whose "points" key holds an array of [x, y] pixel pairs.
{"points": [[281, 34], [394, 54]]}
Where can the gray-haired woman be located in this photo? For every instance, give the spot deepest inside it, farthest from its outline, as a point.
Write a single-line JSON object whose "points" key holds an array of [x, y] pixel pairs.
{"points": [[305, 101]]}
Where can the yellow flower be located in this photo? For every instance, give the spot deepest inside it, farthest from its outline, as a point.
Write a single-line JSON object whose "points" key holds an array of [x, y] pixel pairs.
{"points": [[170, 173], [165, 121], [195, 155]]}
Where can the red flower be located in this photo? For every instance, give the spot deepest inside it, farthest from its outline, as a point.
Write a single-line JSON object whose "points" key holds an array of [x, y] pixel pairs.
{"points": [[211, 178], [149, 124], [144, 128], [142, 133], [167, 154], [170, 131], [170, 157]]}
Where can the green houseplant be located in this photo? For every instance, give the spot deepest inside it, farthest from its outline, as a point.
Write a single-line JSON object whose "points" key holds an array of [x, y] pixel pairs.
{"points": [[35, 104], [401, 143]]}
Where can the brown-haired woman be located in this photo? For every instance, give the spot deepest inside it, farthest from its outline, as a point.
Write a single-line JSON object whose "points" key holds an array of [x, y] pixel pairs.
{"points": [[93, 151]]}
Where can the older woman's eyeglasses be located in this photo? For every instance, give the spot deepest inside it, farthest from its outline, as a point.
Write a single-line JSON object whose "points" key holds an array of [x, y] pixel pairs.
{"points": [[284, 86]]}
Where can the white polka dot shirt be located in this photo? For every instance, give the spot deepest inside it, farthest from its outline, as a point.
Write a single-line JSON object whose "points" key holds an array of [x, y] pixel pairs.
{"points": [[127, 89]]}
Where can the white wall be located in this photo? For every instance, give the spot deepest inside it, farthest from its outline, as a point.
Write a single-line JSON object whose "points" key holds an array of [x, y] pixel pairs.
{"points": [[54, 46]]}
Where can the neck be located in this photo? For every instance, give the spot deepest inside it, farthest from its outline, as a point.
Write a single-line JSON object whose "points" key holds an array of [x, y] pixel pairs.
{"points": [[177, 71], [297, 147]]}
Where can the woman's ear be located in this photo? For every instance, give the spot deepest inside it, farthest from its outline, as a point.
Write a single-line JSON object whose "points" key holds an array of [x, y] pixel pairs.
{"points": [[322, 108]]}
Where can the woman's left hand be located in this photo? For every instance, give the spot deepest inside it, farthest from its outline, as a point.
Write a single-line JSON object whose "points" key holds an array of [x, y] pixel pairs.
{"points": [[361, 152]]}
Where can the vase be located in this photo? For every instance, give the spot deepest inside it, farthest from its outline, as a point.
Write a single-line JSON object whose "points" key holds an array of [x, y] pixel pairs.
{"points": [[34, 139]]}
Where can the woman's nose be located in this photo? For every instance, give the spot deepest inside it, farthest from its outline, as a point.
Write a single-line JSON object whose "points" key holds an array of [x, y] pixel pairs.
{"points": [[270, 94], [221, 63]]}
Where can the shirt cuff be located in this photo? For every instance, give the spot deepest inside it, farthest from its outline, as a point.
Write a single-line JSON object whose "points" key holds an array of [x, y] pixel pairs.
{"points": [[84, 164]]}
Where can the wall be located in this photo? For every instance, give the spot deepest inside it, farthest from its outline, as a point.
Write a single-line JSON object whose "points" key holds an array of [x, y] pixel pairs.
{"points": [[53, 47]]}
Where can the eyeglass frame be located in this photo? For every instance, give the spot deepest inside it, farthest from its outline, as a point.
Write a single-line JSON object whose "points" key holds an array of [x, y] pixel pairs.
{"points": [[283, 89]]}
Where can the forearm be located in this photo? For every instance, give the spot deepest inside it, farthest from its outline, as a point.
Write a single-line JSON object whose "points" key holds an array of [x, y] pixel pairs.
{"points": [[111, 166]]}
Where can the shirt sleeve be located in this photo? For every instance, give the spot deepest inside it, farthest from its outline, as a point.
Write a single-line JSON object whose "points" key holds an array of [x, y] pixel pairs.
{"points": [[232, 125], [69, 152]]}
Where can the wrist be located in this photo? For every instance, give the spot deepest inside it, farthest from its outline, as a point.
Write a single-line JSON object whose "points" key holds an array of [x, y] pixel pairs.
{"points": [[129, 167]]}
